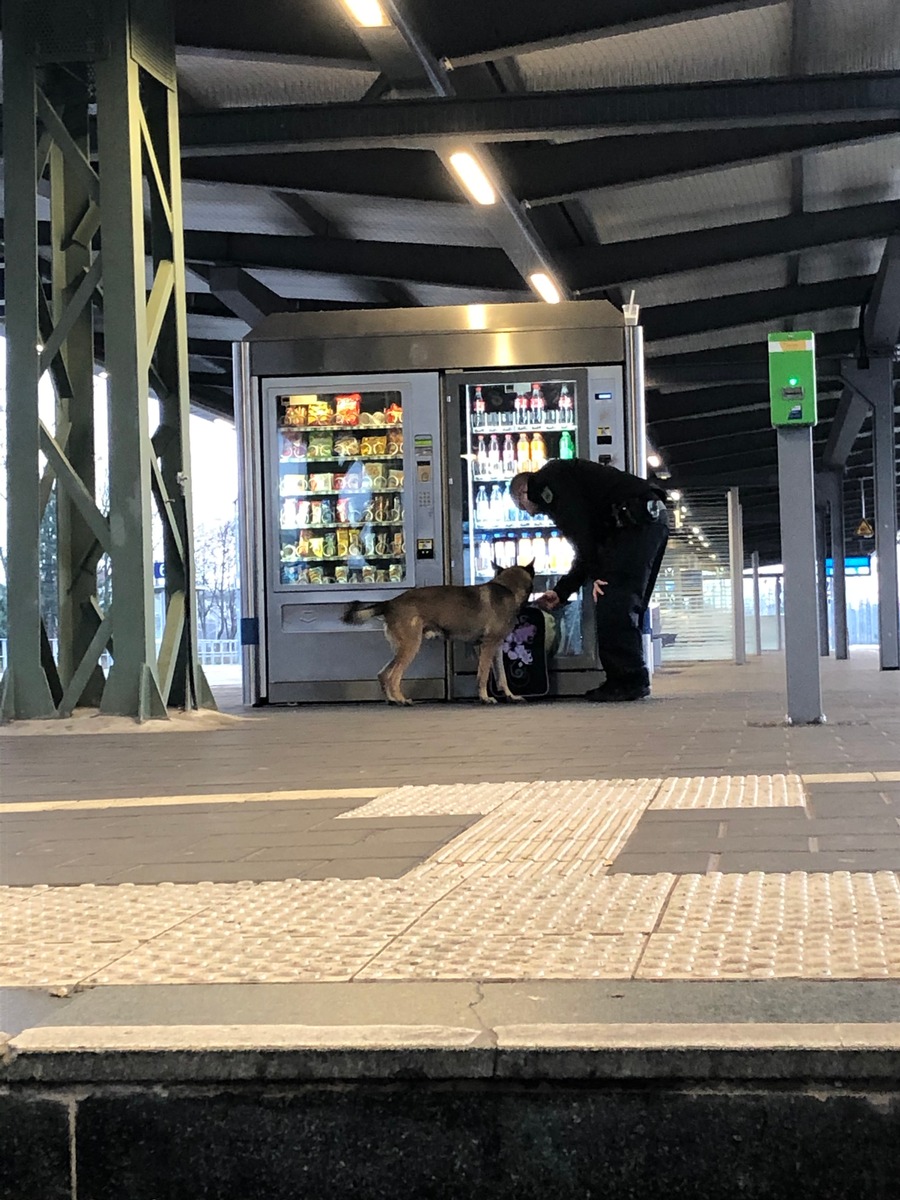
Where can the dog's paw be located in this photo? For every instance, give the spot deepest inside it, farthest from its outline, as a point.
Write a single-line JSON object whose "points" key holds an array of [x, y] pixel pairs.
{"points": [[487, 700], [517, 699]]}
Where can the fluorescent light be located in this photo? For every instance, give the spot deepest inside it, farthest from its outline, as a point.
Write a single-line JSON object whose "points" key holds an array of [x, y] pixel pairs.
{"points": [[653, 460], [695, 529], [676, 495], [367, 13], [473, 177], [545, 287]]}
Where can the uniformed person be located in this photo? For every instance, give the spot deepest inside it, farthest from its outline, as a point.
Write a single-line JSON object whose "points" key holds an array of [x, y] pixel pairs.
{"points": [[618, 526]]}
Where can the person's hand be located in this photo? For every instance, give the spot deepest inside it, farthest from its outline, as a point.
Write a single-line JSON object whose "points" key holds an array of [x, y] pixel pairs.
{"points": [[548, 601], [597, 590]]}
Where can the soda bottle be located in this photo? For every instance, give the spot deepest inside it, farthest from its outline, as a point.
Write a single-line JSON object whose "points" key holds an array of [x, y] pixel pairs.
{"points": [[566, 445], [478, 407], [523, 456], [525, 552], [493, 457], [520, 409], [482, 506], [536, 405], [481, 459], [509, 455], [538, 451], [540, 554], [566, 408]]}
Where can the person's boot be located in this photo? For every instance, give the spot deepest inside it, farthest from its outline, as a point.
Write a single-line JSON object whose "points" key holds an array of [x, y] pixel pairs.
{"points": [[624, 688]]}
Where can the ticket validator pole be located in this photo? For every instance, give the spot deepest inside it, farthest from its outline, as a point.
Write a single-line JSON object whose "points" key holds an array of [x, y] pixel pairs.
{"points": [[792, 393]]}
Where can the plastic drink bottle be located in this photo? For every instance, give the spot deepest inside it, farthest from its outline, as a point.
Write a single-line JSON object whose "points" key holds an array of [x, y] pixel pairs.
{"points": [[566, 408], [482, 507], [494, 456], [538, 451], [509, 455], [478, 407], [536, 405], [496, 505], [481, 459], [566, 445], [520, 409], [523, 453]]}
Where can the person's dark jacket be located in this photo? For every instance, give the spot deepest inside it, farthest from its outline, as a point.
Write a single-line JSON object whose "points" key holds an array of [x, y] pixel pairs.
{"points": [[582, 499]]}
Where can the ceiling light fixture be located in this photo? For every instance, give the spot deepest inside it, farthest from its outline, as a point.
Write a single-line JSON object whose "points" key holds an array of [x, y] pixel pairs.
{"points": [[473, 178], [545, 287], [367, 13], [653, 460]]}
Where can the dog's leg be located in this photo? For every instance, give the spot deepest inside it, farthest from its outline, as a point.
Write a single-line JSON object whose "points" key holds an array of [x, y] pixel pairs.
{"points": [[485, 659], [500, 675], [406, 638]]}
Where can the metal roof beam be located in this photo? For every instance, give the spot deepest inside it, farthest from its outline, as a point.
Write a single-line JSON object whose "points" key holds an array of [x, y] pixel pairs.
{"points": [[542, 173], [747, 308], [881, 325], [657, 108], [481, 35], [474, 266], [595, 268]]}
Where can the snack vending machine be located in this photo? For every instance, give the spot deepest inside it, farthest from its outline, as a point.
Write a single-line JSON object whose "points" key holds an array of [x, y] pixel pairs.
{"points": [[350, 486], [504, 423]]}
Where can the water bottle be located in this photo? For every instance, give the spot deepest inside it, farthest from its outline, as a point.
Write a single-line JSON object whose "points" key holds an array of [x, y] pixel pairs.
{"points": [[482, 507], [509, 455], [496, 505], [493, 457], [481, 459]]}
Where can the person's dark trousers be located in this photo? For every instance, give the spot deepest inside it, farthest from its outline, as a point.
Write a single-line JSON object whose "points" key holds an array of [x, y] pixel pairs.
{"points": [[633, 559]]}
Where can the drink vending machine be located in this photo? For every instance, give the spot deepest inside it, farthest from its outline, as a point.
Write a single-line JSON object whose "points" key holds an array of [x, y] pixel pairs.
{"points": [[376, 450]]}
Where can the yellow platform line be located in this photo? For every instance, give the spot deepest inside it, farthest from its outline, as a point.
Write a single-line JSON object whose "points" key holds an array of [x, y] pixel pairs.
{"points": [[852, 777], [350, 793]]}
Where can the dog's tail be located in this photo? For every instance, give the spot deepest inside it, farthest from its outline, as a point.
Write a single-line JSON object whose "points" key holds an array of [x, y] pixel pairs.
{"points": [[358, 612]]}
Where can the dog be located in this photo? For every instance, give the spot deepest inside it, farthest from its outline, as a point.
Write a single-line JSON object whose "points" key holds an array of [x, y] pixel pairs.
{"points": [[483, 613]]}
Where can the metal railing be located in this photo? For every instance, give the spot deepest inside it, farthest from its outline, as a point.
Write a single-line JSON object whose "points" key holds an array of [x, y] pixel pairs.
{"points": [[211, 652]]}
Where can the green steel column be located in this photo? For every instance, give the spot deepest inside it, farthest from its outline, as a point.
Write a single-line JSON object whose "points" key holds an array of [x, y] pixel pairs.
{"points": [[78, 551], [132, 687], [26, 691]]}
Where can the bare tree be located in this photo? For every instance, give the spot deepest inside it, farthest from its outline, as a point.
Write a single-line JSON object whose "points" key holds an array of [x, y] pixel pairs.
{"points": [[215, 559]]}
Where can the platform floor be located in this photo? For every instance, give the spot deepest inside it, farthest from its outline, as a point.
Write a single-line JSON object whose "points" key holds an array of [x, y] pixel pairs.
{"points": [[689, 859]]}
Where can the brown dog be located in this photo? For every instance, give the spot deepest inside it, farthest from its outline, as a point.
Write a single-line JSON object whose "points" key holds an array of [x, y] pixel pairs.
{"points": [[483, 613]]}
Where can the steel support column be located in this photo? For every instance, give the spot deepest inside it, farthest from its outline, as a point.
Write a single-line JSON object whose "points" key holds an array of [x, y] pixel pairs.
{"points": [[120, 58], [736, 557], [876, 385], [821, 580], [798, 550], [831, 484]]}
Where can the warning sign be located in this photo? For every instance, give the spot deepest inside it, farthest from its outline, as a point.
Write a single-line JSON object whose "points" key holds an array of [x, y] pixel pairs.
{"points": [[864, 529]]}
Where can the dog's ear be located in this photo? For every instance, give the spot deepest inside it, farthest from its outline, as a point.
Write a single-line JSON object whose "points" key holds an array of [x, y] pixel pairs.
{"points": [[497, 567], [529, 567]]}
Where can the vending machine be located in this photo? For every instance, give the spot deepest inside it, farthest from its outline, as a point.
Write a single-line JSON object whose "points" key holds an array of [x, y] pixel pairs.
{"points": [[376, 449], [503, 423]]}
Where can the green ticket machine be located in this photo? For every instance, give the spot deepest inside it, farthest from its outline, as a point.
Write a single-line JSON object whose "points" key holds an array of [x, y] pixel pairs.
{"points": [[792, 378]]}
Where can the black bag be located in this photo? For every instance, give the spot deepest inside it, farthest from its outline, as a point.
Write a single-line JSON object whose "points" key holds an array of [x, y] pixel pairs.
{"points": [[527, 652]]}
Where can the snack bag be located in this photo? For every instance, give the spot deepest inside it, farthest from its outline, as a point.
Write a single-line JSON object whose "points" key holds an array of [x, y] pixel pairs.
{"points": [[321, 445], [347, 409], [320, 412]]}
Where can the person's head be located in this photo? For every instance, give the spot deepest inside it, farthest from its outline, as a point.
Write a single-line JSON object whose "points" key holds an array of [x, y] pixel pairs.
{"points": [[518, 490]]}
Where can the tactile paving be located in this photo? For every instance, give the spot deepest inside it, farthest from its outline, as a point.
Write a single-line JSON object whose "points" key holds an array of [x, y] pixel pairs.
{"points": [[568, 827], [731, 791], [508, 957], [436, 800], [835, 925]]}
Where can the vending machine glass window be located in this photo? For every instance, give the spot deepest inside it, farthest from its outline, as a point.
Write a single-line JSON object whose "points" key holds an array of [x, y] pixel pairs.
{"points": [[509, 428], [340, 488]]}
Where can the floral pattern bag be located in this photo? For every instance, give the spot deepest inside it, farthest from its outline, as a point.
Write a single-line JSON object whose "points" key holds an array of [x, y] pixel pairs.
{"points": [[527, 652]]}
